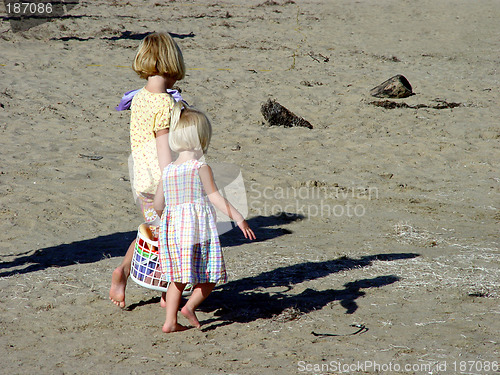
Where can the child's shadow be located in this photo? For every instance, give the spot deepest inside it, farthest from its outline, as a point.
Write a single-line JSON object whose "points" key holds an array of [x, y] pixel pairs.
{"points": [[265, 228], [116, 244], [246, 299], [140, 36]]}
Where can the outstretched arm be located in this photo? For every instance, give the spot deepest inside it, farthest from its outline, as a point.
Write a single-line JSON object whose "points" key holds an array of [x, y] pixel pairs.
{"points": [[222, 203]]}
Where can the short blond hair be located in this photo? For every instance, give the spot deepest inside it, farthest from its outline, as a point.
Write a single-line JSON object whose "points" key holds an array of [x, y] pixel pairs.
{"points": [[158, 54], [190, 129]]}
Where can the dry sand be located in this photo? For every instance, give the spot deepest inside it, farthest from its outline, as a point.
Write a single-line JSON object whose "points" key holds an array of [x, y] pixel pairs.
{"points": [[407, 242]]}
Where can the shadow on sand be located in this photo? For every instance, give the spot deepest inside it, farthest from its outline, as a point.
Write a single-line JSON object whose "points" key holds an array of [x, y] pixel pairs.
{"points": [[128, 35], [246, 300], [264, 296], [116, 244]]}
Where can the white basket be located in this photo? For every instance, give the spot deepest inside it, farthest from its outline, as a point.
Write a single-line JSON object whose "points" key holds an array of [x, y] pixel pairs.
{"points": [[145, 269]]}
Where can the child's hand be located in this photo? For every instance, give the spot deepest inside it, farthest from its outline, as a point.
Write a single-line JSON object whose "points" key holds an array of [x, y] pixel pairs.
{"points": [[247, 232]]}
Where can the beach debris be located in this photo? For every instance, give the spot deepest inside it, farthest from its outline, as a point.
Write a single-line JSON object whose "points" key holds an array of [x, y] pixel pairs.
{"points": [[318, 57], [406, 233], [386, 176], [237, 147], [395, 87], [276, 114], [361, 329], [287, 315], [481, 293], [272, 2], [268, 3], [389, 104], [311, 84], [313, 183], [90, 157]]}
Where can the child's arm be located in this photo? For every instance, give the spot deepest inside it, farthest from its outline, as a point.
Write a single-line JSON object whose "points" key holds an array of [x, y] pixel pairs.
{"points": [[164, 159], [163, 149], [159, 201], [222, 203]]}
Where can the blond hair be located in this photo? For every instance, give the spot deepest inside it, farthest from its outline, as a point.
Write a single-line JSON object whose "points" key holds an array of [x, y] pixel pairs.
{"points": [[190, 129], [158, 54]]}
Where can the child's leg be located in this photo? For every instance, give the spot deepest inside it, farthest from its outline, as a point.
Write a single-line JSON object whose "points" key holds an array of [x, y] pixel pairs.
{"points": [[119, 278], [163, 300], [173, 300], [121, 273], [200, 293]]}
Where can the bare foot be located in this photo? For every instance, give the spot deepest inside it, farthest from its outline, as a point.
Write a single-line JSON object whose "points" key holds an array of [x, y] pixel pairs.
{"points": [[168, 328], [118, 285], [163, 301], [190, 316]]}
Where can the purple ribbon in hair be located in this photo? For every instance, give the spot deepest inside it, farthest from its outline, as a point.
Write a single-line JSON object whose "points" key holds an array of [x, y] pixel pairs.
{"points": [[126, 100]]}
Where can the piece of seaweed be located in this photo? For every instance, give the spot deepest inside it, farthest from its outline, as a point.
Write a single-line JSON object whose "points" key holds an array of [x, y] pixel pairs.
{"points": [[389, 104], [276, 114]]}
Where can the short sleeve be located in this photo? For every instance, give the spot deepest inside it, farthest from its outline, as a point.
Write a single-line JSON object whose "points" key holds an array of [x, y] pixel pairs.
{"points": [[162, 117], [198, 164]]}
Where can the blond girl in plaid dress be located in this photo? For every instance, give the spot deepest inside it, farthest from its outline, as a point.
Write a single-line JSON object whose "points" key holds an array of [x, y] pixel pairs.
{"points": [[190, 251]]}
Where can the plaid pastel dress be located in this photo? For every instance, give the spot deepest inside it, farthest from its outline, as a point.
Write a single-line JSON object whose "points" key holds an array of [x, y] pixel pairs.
{"points": [[190, 250]]}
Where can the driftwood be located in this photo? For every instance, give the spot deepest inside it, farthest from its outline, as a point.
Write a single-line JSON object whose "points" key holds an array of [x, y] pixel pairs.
{"points": [[276, 114], [395, 87], [389, 104]]}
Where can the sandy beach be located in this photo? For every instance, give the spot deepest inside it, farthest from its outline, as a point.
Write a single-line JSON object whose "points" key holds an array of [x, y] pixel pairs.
{"points": [[378, 229]]}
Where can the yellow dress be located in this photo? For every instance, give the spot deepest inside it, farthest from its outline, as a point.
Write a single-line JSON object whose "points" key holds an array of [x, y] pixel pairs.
{"points": [[150, 113]]}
